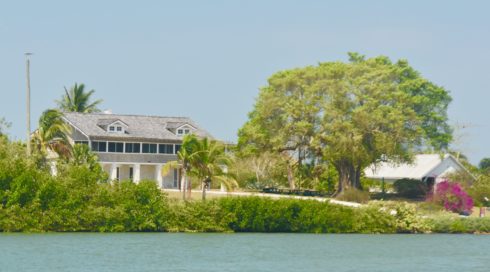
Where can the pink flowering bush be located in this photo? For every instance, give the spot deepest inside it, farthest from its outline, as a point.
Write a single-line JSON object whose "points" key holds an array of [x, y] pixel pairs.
{"points": [[452, 196]]}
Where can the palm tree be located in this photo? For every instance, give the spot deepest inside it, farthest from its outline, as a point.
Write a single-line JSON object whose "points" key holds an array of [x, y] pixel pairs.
{"points": [[52, 134], [183, 162], [210, 162], [81, 155], [204, 160], [77, 100]]}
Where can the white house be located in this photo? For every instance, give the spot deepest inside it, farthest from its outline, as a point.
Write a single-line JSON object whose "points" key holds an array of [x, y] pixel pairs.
{"points": [[431, 168], [133, 146]]}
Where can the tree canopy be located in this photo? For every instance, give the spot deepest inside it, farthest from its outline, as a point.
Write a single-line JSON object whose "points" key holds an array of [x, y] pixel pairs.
{"points": [[348, 114], [484, 164], [203, 159], [4, 125], [78, 100], [52, 134]]}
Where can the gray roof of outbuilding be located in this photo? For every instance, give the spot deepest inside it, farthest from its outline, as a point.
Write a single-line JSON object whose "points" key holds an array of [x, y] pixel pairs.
{"points": [[139, 126]]}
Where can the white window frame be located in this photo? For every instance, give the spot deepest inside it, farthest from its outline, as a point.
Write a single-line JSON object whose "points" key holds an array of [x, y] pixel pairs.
{"points": [[184, 130], [117, 127]]}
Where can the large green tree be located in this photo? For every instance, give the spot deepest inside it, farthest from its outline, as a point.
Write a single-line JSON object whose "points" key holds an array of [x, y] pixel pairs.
{"points": [[78, 100], [348, 114]]}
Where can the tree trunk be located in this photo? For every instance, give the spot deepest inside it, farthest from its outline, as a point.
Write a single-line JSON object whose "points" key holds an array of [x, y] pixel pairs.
{"points": [[357, 183], [290, 177], [189, 188], [204, 190], [344, 180], [183, 184]]}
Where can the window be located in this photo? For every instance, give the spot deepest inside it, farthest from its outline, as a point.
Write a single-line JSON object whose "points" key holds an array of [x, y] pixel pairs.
{"points": [[149, 148], [166, 148], [177, 148], [116, 147], [116, 128], [183, 131], [133, 147], [131, 173], [99, 146]]}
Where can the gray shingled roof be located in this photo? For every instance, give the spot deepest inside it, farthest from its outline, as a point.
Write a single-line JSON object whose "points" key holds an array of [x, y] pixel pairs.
{"points": [[139, 126]]}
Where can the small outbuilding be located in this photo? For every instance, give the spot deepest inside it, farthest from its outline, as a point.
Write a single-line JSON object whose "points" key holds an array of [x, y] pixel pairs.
{"points": [[430, 168]]}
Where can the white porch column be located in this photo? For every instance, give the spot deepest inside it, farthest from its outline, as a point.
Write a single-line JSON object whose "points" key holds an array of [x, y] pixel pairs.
{"points": [[136, 173], [158, 175], [113, 172]]}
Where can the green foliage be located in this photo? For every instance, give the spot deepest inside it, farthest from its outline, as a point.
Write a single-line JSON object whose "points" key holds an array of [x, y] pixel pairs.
{"points": [[77, 100], [266, 169], [484, 165], [4, 125], [452, 224], [52, 135], [410, 188], [204, 160], [347, 114], [354, 195], [196, 216], [407, 220], [480, 191]]}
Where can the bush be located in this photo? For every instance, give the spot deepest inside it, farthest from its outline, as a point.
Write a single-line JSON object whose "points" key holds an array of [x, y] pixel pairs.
{"points": [[354, 195], [451, 224], [480, 191], [410, 188], [405, 215], [452, 197]]}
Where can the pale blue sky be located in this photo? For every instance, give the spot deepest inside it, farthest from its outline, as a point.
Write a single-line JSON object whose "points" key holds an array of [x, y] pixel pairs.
{"points": [[207, 59]]}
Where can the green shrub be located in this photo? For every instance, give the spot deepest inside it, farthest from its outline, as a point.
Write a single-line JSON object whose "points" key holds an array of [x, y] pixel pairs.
{"points": [[410, 188], [453, 224], [254, 214], [405, 216], [197, 216], [354, 195], [480, 191]]}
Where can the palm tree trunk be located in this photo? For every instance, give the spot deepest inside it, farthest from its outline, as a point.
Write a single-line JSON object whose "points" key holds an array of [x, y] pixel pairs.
{"points": [[204, 190], [183, 184], [189, 188]]}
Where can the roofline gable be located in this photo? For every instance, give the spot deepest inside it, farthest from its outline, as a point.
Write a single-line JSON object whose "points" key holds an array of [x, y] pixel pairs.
{"points": [[118, 121], [184, 125], [77, 128]]}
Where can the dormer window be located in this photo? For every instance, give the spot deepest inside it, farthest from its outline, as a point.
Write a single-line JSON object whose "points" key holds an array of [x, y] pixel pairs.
{"points": [[116, 128], [183, 131]]}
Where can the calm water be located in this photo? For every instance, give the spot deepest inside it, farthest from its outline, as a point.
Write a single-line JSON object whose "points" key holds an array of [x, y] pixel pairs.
{"points": [[243, 252]]}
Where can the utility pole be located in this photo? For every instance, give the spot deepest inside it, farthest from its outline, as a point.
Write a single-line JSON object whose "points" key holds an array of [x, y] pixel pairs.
{"points": [[28, 104]]}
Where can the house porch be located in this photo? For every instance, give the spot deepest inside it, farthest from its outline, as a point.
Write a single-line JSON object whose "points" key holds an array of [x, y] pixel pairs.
{"points": [[141, 171]]}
